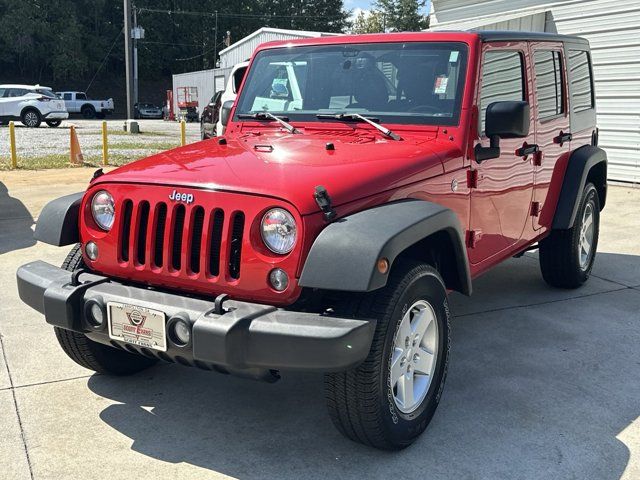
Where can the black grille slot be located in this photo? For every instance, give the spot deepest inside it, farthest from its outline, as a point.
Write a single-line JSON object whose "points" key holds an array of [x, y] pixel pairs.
{"points": [[161, 221], [235, 250], [215, 240], [196, 238], [143, 225], [126, 230], [178, 226]]}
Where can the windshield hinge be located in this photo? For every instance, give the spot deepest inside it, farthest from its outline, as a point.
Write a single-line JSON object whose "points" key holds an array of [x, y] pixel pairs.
{"points": [[472, 178], [324, 202]]}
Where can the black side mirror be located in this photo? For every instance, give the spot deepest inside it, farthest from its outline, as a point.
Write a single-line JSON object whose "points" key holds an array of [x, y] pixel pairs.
{"points": [[225, 112], [503, 120]]}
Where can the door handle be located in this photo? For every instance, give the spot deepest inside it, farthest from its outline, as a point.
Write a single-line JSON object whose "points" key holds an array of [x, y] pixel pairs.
{"points": [[527, 149], [562, 137]]}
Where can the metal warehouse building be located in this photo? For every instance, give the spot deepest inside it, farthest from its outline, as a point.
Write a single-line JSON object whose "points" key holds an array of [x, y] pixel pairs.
{"points": [[210, 81], [613, 30]]}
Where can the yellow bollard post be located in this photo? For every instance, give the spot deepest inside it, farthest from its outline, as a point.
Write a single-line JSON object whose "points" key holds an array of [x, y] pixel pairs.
{"points": [[105, 145], [183, 133], [12, 143]]}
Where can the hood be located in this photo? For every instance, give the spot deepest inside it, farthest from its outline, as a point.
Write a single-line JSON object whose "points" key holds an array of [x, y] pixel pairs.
{"points": [[289, 167]]}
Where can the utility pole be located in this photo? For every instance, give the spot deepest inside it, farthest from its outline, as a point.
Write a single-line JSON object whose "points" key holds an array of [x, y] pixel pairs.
{"points": [[215, 43], [127, 57], [135, 55]]}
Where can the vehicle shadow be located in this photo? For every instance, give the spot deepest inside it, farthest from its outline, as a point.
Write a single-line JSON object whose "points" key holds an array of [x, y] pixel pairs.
{"points": [[15, 223], [533, 392]]}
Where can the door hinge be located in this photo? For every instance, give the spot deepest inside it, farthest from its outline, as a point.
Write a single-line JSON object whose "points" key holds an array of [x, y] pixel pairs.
{"points": [[535, 209], [537, 158], [472, 178], [472, 238]]}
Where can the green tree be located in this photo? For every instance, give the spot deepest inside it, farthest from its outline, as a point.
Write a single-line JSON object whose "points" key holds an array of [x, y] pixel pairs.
{"points": [[403, 15], [369, 22]]}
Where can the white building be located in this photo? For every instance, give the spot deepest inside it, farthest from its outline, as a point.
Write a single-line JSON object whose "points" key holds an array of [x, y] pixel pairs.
{"points": [[208, 82], [613, 30]]}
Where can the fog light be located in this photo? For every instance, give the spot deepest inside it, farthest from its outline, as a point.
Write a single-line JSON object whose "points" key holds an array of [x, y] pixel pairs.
{"points": [[95, 313], [279, 279], [92, 250], [180, 331]]}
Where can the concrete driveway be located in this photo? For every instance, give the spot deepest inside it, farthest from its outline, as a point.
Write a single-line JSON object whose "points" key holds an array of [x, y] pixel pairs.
{"points": [[543, 384]]}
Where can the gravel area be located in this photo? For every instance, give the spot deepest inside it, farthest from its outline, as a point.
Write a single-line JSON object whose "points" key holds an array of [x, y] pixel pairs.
{"points": [[49, 147]]}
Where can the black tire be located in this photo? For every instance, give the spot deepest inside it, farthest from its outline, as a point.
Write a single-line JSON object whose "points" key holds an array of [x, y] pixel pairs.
{"points": [[560, 252], [54, 123], [31, 118], [361, 401], [92, 355], [88, 111]]}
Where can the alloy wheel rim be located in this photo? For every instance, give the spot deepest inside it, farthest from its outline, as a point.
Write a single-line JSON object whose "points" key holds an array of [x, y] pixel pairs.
{"points": [[31, 119], [414, 356], [587, 230]]}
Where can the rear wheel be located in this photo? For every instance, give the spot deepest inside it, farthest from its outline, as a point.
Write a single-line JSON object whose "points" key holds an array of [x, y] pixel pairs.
{"points": [[88, 111], [389, 400], [54, 123], [31, 118], [93, 355], [567, 256]]}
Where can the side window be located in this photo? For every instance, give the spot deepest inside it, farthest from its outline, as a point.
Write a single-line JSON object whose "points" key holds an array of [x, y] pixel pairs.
{"points": [[237, 78], [67, 96], [502, 79], [3, 91], [549, 83], [81, 96], [581, 81]]}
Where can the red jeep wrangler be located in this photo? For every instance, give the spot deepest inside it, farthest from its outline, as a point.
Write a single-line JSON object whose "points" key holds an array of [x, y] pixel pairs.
{"points": [[361, 179]]}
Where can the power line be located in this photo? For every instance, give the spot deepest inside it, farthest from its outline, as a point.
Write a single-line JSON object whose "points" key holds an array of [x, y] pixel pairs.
{"points": [[104, 60], [231, 15]]}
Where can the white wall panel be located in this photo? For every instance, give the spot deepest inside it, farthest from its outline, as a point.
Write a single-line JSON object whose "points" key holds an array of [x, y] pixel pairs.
{"points": [[613, 30]]}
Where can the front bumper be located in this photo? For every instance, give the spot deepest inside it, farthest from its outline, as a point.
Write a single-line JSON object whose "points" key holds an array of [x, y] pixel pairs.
{"points": [[56, 115], [236, 337]]}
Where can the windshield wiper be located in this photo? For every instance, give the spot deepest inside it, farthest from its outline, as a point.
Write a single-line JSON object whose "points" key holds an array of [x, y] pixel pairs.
{"points": [[357, 117], [270, 116]]}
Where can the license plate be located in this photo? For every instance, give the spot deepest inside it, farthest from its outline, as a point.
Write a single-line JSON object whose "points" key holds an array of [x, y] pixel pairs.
{"points": [[139, 326]]}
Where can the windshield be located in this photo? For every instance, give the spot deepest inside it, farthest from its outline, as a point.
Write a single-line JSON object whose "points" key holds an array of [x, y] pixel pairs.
{"points": [[410, 83]]}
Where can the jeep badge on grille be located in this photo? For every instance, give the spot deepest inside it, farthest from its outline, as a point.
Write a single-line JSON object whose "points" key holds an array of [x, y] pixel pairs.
{"points": [[176, 196]]}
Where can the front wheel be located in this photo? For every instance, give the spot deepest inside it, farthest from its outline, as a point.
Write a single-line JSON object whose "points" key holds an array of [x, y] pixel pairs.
{"points": [[389, 400], [93, 355], [567, 256]]}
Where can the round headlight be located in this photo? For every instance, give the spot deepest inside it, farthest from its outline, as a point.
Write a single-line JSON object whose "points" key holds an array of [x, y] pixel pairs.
{"points": [[103, 209], [279, 231]]}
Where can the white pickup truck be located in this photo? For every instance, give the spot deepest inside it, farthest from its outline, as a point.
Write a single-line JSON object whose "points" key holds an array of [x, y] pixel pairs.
{"points": [[77, 102]]}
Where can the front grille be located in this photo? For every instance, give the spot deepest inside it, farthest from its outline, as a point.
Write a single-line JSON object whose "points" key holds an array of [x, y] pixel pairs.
{"points": [[181, 238]]}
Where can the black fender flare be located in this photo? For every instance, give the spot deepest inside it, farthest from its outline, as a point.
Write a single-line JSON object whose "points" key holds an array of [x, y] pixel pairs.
{"points": [[58, 222], [345, 255], [575, 178]]}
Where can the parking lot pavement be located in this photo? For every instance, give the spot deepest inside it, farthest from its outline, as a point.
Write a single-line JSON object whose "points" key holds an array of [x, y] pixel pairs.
{"points": [[542, 384], [41, 146]]}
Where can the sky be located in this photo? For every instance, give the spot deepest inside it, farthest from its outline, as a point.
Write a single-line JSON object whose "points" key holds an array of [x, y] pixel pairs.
{"points": [[358, 5]]}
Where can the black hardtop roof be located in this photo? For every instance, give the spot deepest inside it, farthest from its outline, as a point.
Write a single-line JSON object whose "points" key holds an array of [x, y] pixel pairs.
{"points": [[506, 36]]}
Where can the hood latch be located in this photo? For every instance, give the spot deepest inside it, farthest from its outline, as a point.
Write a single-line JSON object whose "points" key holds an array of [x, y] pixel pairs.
{"points": [[324, 202]]}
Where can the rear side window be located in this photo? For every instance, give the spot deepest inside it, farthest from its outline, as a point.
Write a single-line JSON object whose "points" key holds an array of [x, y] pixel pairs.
{"points": [[581, 81], [502, 79], [81, 96], [549, 83], [17, 92]]}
